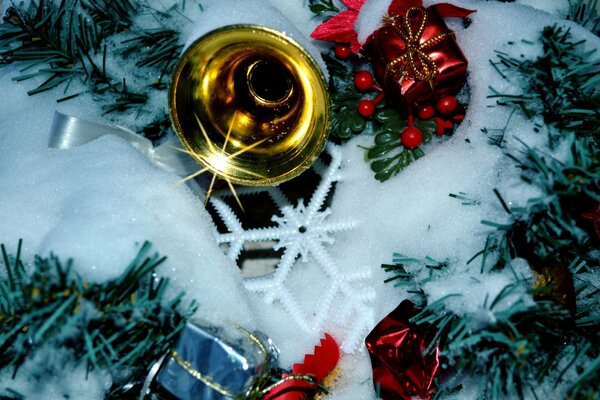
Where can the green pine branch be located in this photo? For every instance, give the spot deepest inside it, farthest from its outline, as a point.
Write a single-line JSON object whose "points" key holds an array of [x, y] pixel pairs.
{"points": [[123, 325], [162, 49], [512, 349], [585, 13], [69, 47], [551, 226], [562, 85], [63, 42]]}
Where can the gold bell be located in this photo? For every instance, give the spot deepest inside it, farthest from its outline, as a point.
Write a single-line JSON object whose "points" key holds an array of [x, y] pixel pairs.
{"points": [[250, 104]]}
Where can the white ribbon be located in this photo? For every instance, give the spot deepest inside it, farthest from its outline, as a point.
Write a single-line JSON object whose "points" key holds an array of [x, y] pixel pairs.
{"points": [[68, 132]]}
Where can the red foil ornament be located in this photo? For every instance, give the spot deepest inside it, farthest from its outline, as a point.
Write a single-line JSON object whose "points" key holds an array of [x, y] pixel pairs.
{"points": [[415, 56], [594, 216], [400, 368]]}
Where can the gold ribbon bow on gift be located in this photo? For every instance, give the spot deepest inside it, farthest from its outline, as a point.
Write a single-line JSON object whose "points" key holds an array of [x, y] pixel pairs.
{"points": [[420, 64]]}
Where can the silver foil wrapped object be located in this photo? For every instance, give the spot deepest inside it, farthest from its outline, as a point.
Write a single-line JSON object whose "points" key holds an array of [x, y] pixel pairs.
{"points": [[213, 363]]}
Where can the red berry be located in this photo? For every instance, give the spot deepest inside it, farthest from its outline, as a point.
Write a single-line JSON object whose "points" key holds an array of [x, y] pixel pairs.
{"points": [[363, 80], [426, 112], [366, 108], [411, 137], [342, 51], [446, 105], [443, 125]]}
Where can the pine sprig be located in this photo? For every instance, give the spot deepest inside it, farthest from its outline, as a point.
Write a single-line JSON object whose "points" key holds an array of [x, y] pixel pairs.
{"points": [[71, 47], [511, 348], [551, 225], [124, 324], [585, 13], [111, 16], [162, 48], [562, 85], [388, 156], [61, 43]]}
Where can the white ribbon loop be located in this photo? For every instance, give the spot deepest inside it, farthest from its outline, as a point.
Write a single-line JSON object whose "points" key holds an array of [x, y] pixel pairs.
{"points": [[68, 132]]}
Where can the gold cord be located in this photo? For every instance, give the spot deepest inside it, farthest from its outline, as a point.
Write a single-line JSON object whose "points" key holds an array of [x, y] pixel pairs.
{"points": [[420, 63]]}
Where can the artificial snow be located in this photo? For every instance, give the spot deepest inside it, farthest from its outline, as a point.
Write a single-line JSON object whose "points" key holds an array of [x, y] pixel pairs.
{"points": [[97, 203]]}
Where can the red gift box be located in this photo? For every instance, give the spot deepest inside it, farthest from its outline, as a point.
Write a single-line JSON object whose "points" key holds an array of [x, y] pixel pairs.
{"points": [[416, 58]]}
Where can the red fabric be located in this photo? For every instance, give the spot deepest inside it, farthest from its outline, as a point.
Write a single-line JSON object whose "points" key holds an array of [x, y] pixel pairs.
{"points": [[446, 10], [451, 11], [400, 7], [319, 365], [396, 349], [355, 5], [340, 27]]}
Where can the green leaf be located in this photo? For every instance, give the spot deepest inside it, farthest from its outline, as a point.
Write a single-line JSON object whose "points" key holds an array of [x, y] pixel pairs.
{"points": [[386, 137], [394, 125], [384, 175], [386, 114], [356, 122], [381, 150], [380, 165]]}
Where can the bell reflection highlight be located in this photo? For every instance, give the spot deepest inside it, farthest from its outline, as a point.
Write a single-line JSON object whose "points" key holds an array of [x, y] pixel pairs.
{"points": [[261, 99]]}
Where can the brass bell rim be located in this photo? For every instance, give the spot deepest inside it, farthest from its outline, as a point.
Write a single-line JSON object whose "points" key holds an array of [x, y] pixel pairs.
{"points": [[235, 179]]}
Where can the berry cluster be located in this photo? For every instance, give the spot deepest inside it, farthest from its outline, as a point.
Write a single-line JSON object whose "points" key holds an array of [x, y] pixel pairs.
{"points": [[446, 113], [444, 110], [400, 131]]}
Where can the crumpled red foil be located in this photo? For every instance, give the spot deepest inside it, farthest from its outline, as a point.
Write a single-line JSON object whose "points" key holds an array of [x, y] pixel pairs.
{"points": [[415, 56], [400, 368]]}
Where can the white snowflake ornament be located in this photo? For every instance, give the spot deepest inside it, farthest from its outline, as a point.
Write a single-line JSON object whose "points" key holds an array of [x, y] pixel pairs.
{"points": [[303, 232]]}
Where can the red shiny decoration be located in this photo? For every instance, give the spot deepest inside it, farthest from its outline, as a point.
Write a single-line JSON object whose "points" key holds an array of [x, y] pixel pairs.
{"points": [[446, 105], [594, 216], [426, 112], [436, 48], [319, 365], [340, 27], [363, 80], [411, 137], [366, 108], [446, 10], [443, 125], [399, 366], [342, 51]]}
